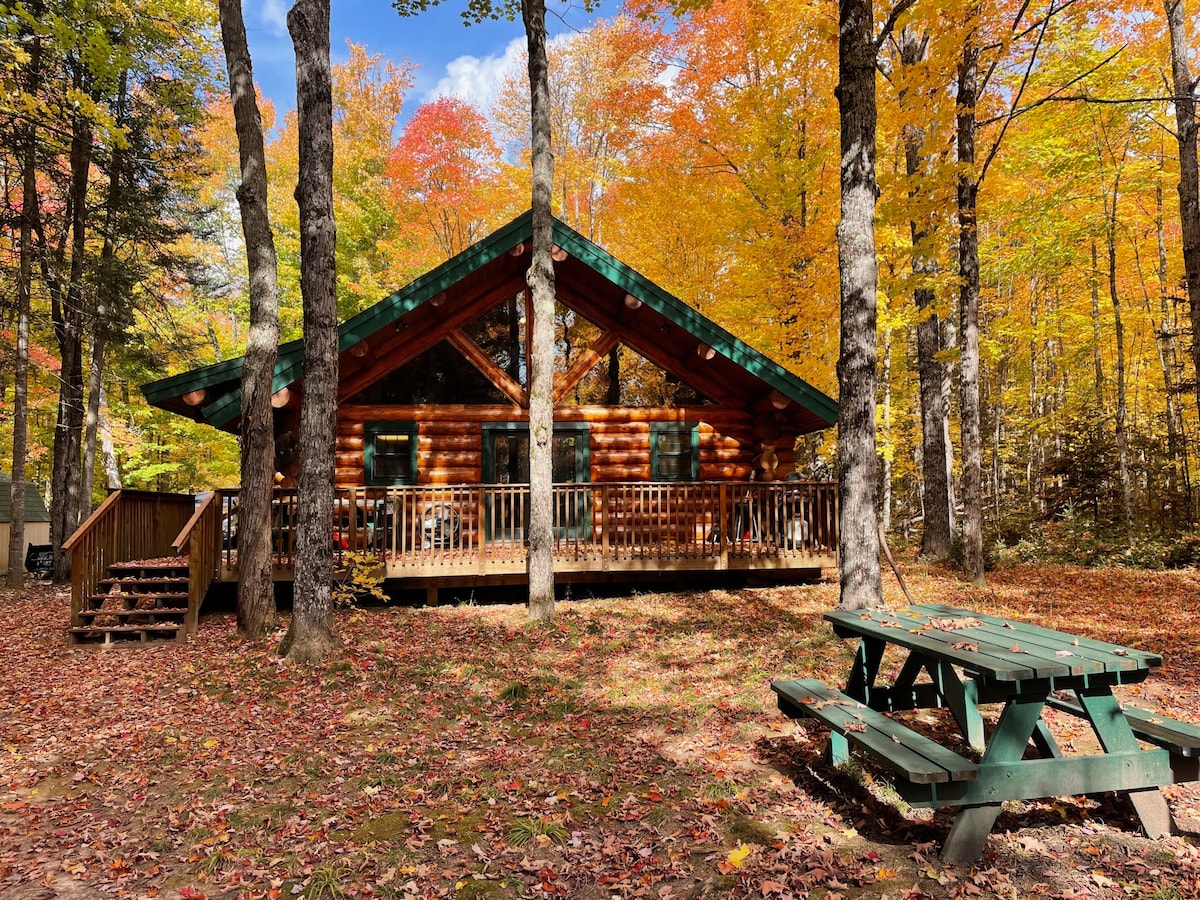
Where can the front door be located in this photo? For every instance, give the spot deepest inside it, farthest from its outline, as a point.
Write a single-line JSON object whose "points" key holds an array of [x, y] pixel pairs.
{"points": [[506, 461]]}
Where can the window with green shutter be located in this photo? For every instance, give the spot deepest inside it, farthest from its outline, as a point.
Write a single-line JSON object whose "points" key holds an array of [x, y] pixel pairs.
{"points": [[674, 451], [390, 453]]}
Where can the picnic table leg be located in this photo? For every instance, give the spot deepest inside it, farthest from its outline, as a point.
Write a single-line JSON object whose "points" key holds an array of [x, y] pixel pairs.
{"points": [[962, 697], [969, 832], [1115, 735], [866, 667], [1011, 736]]}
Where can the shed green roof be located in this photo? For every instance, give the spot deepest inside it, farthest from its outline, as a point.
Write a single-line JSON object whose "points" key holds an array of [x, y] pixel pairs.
{"points": [[35, 506]]}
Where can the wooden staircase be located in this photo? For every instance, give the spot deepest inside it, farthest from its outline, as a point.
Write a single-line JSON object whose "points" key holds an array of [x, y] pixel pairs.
{"points": [[138, 602], [140, 568]]}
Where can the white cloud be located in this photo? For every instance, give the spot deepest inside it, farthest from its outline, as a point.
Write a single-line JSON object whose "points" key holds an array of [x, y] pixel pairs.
{"points": [[274, 16], [476, 80]]}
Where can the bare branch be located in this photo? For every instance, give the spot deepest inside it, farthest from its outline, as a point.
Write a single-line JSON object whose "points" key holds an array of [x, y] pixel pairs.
{"points": [[898, 10], [1053, 96]]}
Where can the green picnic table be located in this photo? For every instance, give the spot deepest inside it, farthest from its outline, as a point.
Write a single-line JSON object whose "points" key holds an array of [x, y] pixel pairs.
{"points": [[973, 659]]}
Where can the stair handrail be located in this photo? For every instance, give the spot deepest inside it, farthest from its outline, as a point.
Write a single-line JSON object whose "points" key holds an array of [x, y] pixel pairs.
{"points": [[179, 545]]}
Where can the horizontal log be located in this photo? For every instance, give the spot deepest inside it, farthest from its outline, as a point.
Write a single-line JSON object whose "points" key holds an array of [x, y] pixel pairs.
{"points": [[713, 415], [609, 458], [449, 475], [195, 398], [724, 454], [348, 459], [725, 472], [348, 443], [619, 431], [442, 427], [439, 458], [447, 442], [620, 473]]}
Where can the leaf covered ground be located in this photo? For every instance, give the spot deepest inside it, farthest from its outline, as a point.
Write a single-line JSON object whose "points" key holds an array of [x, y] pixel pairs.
{"points": [[631, 749]]}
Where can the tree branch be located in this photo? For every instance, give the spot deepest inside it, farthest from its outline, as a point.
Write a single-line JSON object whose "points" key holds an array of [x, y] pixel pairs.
{"points": [[898, 10]]}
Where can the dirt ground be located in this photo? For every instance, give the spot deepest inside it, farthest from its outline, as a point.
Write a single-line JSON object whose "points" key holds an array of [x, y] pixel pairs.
{"points": [[633, 748]]}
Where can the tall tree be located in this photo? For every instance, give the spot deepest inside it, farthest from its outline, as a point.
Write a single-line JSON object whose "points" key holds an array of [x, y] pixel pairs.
{"points": [[1189, 170], [311, 636], [256, 589], [16, 535], [936, 536], [968, 272], [858, 519], [540, 279]]}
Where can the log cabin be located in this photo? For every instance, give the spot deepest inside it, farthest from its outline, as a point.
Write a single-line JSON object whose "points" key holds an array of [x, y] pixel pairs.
{"points": [[673, 440]]}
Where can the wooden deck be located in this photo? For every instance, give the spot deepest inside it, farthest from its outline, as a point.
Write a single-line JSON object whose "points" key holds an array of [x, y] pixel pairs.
{"points": [[442, 536], [479, 530]]}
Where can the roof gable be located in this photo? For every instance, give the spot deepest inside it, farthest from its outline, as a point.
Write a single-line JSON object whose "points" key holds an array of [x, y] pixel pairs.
{"points": [[35, 506], [603, 274]]}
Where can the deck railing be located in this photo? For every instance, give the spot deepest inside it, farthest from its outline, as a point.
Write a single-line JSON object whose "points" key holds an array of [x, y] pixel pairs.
{"points": [[127, 525], [595, 525], [200, 541]]}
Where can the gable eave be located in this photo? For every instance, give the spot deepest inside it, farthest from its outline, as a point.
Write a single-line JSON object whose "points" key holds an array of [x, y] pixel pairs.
{"points": [[289, 366]]}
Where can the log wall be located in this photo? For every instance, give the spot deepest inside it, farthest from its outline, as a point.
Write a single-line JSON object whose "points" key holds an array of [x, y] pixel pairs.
{"points": [[450, 441]]}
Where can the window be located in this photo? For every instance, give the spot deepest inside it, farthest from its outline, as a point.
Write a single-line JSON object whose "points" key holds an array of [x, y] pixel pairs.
{"points": [[674, 451], [390, 453]]}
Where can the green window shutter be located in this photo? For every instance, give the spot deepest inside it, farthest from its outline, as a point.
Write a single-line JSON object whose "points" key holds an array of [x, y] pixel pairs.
{"points": [[390, 453]]}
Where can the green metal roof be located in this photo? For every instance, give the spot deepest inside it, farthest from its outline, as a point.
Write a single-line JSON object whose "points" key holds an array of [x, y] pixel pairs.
{"points": [[35, 506], [289, 366]]}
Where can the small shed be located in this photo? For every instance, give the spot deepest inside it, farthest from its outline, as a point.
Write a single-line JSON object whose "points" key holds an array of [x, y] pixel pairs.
{"points": [[37, 517]]}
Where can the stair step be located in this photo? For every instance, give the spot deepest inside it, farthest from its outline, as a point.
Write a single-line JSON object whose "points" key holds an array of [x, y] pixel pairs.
{"points": [[118, 582], [126, 635], [124, 595], [166, 610]]}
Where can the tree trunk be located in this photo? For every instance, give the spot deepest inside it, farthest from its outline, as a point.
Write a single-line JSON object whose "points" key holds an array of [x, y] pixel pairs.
{"points": [[105, 288], [968, 264], [112, 472], [256, 614], [311, 636], [936, 536], [20, 452], [540, 279], [1097, 359], [885, 458], [68, 327], [1189, 174], [861, 586], [1122, 402], [1165, 334]]}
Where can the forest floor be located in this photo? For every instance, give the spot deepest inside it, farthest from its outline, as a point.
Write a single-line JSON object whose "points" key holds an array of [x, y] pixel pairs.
{"points": [[633, 748]]}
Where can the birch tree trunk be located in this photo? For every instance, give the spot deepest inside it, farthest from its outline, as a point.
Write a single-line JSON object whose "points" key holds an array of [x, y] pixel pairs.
{"points": [[311, 636], [1122, 401], [540, 279], [968, 264], [20, 452], [1189, 172], [256, 590], [861, 586]]}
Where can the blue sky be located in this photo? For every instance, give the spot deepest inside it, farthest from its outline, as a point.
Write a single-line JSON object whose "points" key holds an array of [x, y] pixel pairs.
{"points": [[464, 61]]}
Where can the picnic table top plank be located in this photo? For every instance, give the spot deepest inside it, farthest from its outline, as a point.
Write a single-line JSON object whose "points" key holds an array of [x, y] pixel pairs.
{"points": [[985, 644], [1139, 658], [996, 661]]}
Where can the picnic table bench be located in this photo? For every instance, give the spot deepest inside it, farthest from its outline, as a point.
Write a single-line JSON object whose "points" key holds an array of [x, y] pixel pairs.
{"points": [[973, 659]]}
